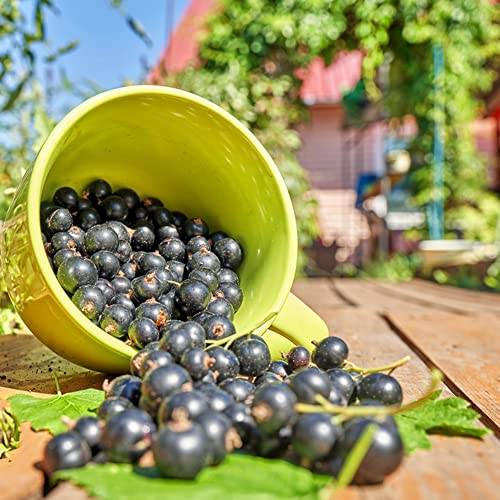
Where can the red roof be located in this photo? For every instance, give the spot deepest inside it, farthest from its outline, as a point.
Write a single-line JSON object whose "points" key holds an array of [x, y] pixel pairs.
{"points": [[321, 84]]}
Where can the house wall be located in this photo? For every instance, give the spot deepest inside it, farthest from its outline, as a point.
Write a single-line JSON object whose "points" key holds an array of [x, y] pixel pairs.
{"points": [[333, 156]]}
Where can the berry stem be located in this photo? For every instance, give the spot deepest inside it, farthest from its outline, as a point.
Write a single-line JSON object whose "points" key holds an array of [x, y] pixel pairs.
{"points": [[351, 367], [58, 387], [355, 457], [226, 342], [346, 412]]}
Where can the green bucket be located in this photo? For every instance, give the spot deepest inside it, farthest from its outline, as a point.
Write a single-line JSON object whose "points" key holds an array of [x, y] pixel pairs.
{"points": [[195, 157]]}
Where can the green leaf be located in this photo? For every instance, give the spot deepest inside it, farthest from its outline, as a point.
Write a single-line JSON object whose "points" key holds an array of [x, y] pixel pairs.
{"points": [[45, 414], [238, 477], [449, 416]]}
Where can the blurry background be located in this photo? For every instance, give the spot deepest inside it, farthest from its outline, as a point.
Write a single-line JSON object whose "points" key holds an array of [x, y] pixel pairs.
{"points": [[383, 116]]}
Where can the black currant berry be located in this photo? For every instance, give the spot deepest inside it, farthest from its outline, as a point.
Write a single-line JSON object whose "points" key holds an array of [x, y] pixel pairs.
{"points": [[239, 388], [151, 204], [161, 216], [61, 255], [280, 368], [229, 253], [150, 360], [162, 382], [148, 261], [165, 232], [127, 436], [90, 429], [197, 362], [172, 249], [204, 258], [113, 405], [230, 292], [143, 238], [107, 290], [90, 301], [273, 407], [121, 230], [254, 357], [62, 240], [243, 422], [218, 327], [130, 197], [308, 383], [59, 220], [222, 438], [197, 243], [192, 296], [178, 219], [87, 218], [153, 310], [176, 268], [176, 342], [206, 276], [143, 331], [78, 236], [116, 319], [343, 381], [194, 227], [181, 450], [228, 277], [65, 451], [217, 236], [100, 238], [330, 352], [226, 363], [124, 300], [76, 272], [267, 378], [114, 208], [220, 307], [381, 387], [181, 405], [384, 455], [219, 399], [97, 190], [146, 287], [124, 386], [66, 197], [121, 284], [297, 358], [107, 264], [195, 331]]}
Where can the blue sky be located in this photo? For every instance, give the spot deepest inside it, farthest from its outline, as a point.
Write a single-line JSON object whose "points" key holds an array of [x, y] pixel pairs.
{"points": [[109, 51]]}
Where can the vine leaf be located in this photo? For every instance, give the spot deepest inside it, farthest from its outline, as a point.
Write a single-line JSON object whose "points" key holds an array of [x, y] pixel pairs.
{"points": [[46, 413]]}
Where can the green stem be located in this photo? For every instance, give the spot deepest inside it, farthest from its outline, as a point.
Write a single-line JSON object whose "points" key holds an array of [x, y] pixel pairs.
{"points": [[173, 282], [58, 387], [351, 367], [355, 457], [324, 406], [227, 341]]}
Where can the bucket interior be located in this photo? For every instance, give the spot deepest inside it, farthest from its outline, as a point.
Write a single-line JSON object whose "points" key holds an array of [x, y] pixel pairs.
{"points": [[196, 160]]}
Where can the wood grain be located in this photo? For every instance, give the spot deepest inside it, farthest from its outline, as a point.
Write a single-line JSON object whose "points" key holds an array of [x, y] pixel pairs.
{"points": [[26, 364], [465, 348], [318, 292]]}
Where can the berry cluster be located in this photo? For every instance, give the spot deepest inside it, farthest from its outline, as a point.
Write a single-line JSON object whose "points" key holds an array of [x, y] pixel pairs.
{"points": [[191, 399], [130, 265]]}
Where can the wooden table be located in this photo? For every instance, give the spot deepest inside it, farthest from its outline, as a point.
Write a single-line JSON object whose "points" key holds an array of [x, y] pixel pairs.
{"points": [[455, 330]]}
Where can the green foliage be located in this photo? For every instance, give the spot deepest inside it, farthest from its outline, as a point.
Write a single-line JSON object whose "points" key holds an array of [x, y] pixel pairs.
{"points": [[253, 51], [46, 413], [398, 267], [449, 416], [238, 477], [10, 432]]}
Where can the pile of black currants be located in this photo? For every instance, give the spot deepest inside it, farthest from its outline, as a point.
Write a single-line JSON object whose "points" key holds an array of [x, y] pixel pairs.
{"points": [[190, 401], [198, 389], [130, 265]]}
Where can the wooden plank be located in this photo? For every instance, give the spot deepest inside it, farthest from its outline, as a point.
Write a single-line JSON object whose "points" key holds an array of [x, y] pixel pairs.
{"points": [[435, 296], [466, 349], [363, 293], [317, 292], [28, 365], [455, 467]]}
